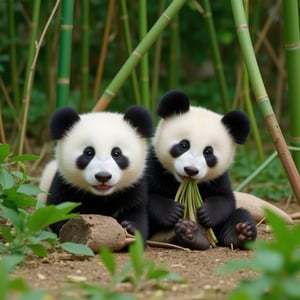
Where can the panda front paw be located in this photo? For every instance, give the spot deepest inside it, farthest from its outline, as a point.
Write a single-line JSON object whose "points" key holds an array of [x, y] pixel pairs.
{"points": [[129, 226], [175, 214], [205, 217]]}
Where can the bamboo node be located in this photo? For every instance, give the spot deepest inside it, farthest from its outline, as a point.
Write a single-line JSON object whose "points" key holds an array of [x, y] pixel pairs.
{"points": [[63, 80], [242, 27], [110, 93], [295, 139], [294, 46], [66, 27], [166, 16], [136, 53], [262, 98]]}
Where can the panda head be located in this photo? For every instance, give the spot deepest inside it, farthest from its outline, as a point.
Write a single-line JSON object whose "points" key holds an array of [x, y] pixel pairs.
{"points": [[195, 142], [101, 152]]}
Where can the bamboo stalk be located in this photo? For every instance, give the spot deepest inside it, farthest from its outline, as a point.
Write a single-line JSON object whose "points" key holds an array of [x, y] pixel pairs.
{"points": [[216, 56], [84, 54], [156, 63], [143, 26], [174, 52], [292, 52], [13, 54], [29, 73], [134, 81], [250, 112], [249, 106], [262, 98], [137, 54], [104, 46], [64, 57]]}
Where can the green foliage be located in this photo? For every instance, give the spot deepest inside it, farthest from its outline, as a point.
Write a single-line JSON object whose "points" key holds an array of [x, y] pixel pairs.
{"points": [[9, 286], [24, 221], [277, 262], [138, 270], [271, 184]]}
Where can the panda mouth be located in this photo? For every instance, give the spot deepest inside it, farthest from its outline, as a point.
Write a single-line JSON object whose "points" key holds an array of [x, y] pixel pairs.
{"points": [[102, 187]]}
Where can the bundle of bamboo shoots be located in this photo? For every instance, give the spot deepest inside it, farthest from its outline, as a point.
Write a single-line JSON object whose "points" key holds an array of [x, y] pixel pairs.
{"points": [[189, 196]]}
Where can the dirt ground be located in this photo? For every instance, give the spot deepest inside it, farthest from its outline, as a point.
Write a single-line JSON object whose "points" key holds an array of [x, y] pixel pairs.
{"points": [[198, 268]]}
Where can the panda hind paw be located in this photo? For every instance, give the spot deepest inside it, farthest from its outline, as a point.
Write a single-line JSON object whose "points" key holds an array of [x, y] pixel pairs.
{"points": [[190, 235]]}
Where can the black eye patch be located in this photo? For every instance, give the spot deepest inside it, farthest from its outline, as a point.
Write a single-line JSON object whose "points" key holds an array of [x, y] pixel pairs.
{"points": [[86, 156], [121, 160], [180, 148], [209, 156]]}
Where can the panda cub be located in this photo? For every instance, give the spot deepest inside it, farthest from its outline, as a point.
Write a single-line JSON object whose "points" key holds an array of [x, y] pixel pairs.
{"points": [[193, 142], [100, 162]]}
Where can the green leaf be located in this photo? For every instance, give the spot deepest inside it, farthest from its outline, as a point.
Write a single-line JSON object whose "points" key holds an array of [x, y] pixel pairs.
{"points": [[4, 152], [78, 249], [136, 251], [108, 260], [23, 157], [6, 180], [39, 250], [29, 189], [6, 233], [17, 284], [47, 215], [11, 261], [14, 217], [17, 200]]}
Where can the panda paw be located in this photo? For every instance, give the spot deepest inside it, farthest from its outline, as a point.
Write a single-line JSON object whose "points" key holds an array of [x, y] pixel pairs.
{"points": [[205, 216], [170, 214], [129, 226], [190, 235], [240, 235]]}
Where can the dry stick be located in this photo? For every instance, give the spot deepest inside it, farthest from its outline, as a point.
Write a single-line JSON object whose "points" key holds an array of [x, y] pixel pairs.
{"points": [[30, 77], [262, 96], [104, 45], [263, 32], [2, 133], [137, 54], [273, 56]]}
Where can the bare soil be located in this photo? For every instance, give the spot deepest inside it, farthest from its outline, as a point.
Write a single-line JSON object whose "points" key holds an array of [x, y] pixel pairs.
{"points": [[56, 273]]}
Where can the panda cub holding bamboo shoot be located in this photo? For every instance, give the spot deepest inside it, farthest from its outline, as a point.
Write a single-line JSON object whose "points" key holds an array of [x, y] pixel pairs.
{"points": [[196, 143], [100, 161]]}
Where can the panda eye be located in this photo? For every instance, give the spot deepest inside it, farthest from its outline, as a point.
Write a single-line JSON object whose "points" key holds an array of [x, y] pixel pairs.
{"points": [[116, 152], [184, 145], [89, 152], [208, 151]]}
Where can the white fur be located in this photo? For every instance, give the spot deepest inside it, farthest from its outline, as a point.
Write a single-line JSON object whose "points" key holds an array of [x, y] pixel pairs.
{"points": [[202, 128], [103, 131], [46, 179]]}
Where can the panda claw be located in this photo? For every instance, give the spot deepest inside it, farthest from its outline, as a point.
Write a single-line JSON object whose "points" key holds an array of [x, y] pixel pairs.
{"points": [[190, 235]]}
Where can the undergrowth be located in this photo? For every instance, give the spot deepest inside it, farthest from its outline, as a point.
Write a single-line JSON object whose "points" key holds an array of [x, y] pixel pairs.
{"points": [[276, 262]]}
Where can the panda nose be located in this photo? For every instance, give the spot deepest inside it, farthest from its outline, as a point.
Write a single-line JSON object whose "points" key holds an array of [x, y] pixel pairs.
{"points": [[191, 171], [103, 176]]}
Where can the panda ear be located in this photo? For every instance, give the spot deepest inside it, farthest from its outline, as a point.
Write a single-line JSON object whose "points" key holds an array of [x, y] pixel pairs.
{"points": [[61, 121], [238, 124], [140, 118], [173, 103]]}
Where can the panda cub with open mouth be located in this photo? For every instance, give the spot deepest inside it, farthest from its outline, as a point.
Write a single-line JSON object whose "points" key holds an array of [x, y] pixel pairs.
{"points": [[100, 161]]}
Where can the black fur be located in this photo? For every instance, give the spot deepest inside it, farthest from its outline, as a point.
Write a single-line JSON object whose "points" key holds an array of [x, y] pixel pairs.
{"points": [[128, 205], [173, 103], [238, 125], [62, 120], [140, 119]]}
